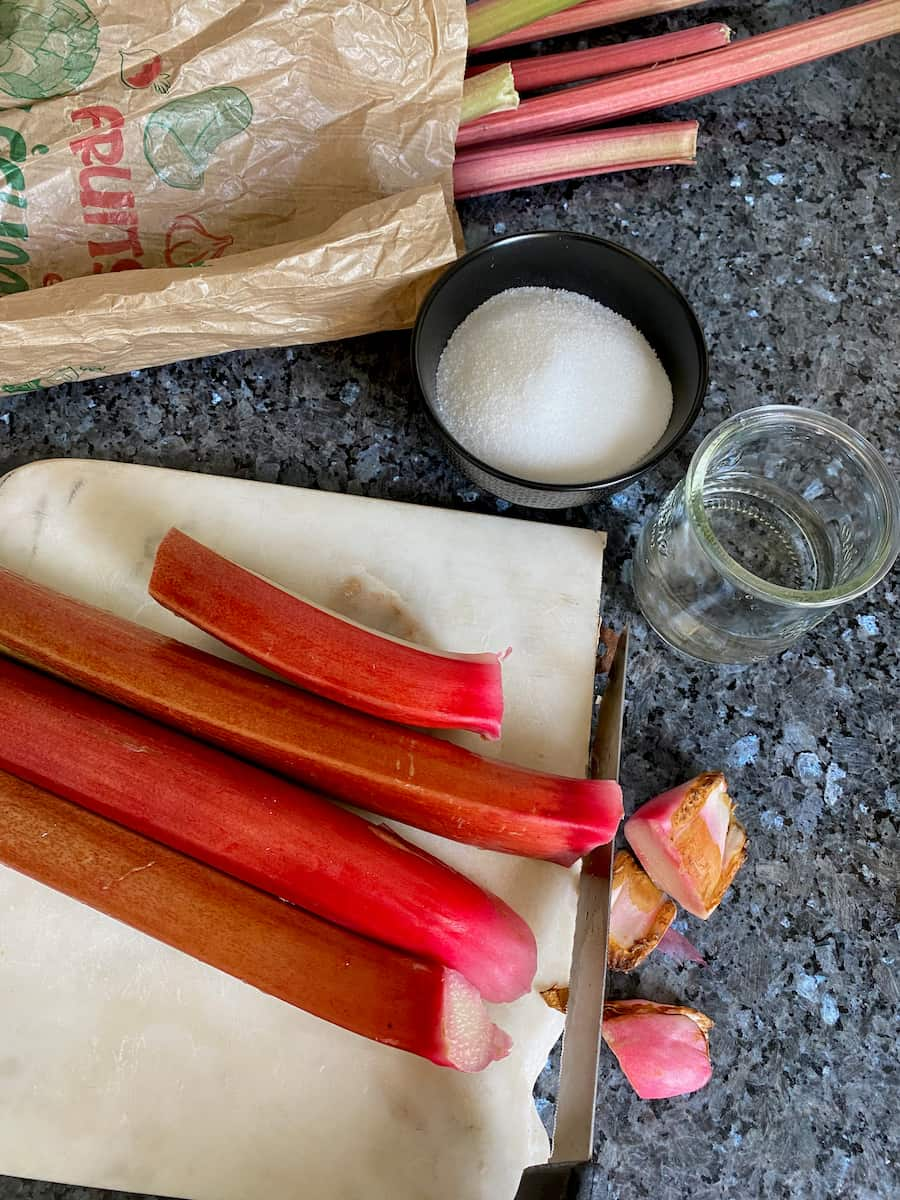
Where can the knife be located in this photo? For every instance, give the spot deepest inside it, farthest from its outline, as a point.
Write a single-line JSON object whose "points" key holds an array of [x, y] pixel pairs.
{"points": [[569, 1173]]}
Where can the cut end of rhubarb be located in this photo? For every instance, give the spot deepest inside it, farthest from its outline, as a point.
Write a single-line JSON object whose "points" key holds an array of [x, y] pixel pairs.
{"points": [[488, 92], [639, 914], [689, 842], [663, 1049], [471, 1041]]}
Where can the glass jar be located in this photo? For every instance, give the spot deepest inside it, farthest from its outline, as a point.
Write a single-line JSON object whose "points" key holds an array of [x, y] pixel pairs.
{"points": [[784, 514]]}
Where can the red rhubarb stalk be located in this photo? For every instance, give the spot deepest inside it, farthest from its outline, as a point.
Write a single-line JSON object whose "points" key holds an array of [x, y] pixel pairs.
{"points": [[258, 828], [551, 70], [593, 14], [370, 989], [501, 168], [400, 773], [663, 1049], [322, 651], [689, 842], [700, 75]]}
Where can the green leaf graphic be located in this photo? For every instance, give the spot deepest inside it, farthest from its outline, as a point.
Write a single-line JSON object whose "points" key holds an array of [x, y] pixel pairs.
{"points": [[47, 47], [181, 137]]}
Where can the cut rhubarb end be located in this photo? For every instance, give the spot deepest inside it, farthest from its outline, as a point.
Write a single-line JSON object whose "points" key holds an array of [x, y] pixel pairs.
{"points": [[490, 91], [363, 986], [471, 1041], [689, 842], [639, 915], [261, 829], [371, 764], [662, 1049], [592, 14], [321, 651]]}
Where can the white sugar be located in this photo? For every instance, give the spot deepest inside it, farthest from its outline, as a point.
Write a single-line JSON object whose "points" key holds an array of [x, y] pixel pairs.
{"points": [[552, 386]]}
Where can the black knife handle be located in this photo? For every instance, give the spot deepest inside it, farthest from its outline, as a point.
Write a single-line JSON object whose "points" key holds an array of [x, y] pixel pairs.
{"points": [[556, 1181]]}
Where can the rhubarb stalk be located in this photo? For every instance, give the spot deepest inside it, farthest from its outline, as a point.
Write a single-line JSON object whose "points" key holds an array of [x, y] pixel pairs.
{"points": [[489, 91], [700, 75], [593, 14], [258, 828], [639, 914], [322, 651], [572, 66], [489, 19], [370, 989], [372, 764], [663, 1049], [689, 842], [487, 169]]}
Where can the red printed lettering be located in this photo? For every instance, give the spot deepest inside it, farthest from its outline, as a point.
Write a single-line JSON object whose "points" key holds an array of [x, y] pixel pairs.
{"points": [[100, 151]]}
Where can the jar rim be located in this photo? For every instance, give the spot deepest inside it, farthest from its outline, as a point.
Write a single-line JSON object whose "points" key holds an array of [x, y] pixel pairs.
{"points": [[771, 416]]}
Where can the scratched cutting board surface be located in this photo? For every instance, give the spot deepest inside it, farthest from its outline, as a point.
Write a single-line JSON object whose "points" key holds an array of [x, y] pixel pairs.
{"points": [[125, 1064]]}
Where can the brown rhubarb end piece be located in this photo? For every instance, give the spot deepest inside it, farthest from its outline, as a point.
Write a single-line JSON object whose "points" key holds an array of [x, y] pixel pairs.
{"points": [[689, 842], [363, 986], [663, 1049], [322, 651], [639, 914]]}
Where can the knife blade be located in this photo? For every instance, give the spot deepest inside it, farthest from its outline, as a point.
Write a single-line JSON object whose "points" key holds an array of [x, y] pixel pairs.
{"points": [[568, 1175]]}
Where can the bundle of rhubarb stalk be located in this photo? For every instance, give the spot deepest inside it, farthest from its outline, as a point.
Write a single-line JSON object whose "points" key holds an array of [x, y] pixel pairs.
{"points": [[136, 775], [523, 122]]}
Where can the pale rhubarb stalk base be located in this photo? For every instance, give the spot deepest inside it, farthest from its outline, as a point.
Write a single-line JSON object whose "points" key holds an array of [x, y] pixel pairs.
{"points": [[264, 830], [700, 75], [663, 1049], [371, 764], [490, 91], [348, 980], [572, 66], [689, 842], [593, 14], [639, 914], [512, 165]]}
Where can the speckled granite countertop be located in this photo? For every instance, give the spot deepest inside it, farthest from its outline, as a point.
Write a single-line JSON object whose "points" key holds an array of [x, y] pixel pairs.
{"points": [[785, 239]]}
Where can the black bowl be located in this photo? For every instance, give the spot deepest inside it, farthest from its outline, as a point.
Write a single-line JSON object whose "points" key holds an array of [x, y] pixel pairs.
{"points": [[616, 277]]}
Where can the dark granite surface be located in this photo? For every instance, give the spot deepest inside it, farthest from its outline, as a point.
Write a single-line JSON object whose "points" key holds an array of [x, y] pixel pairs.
{"points": [[785, 239]]}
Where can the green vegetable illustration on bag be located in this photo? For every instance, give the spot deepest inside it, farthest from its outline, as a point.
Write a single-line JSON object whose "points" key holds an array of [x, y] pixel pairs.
{"points": [[181, 137], [47, 47]]}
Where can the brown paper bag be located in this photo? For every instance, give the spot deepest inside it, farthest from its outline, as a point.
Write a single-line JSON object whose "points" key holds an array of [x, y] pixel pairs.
{"points": [[185, 177]]}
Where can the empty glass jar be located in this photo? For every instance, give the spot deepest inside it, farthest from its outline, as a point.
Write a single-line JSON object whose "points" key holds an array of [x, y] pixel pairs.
{"points": [[784, 514]]}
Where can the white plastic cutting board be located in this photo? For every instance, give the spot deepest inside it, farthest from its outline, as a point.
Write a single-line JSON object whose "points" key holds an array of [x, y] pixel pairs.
{"points": [[125, 1064]]}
